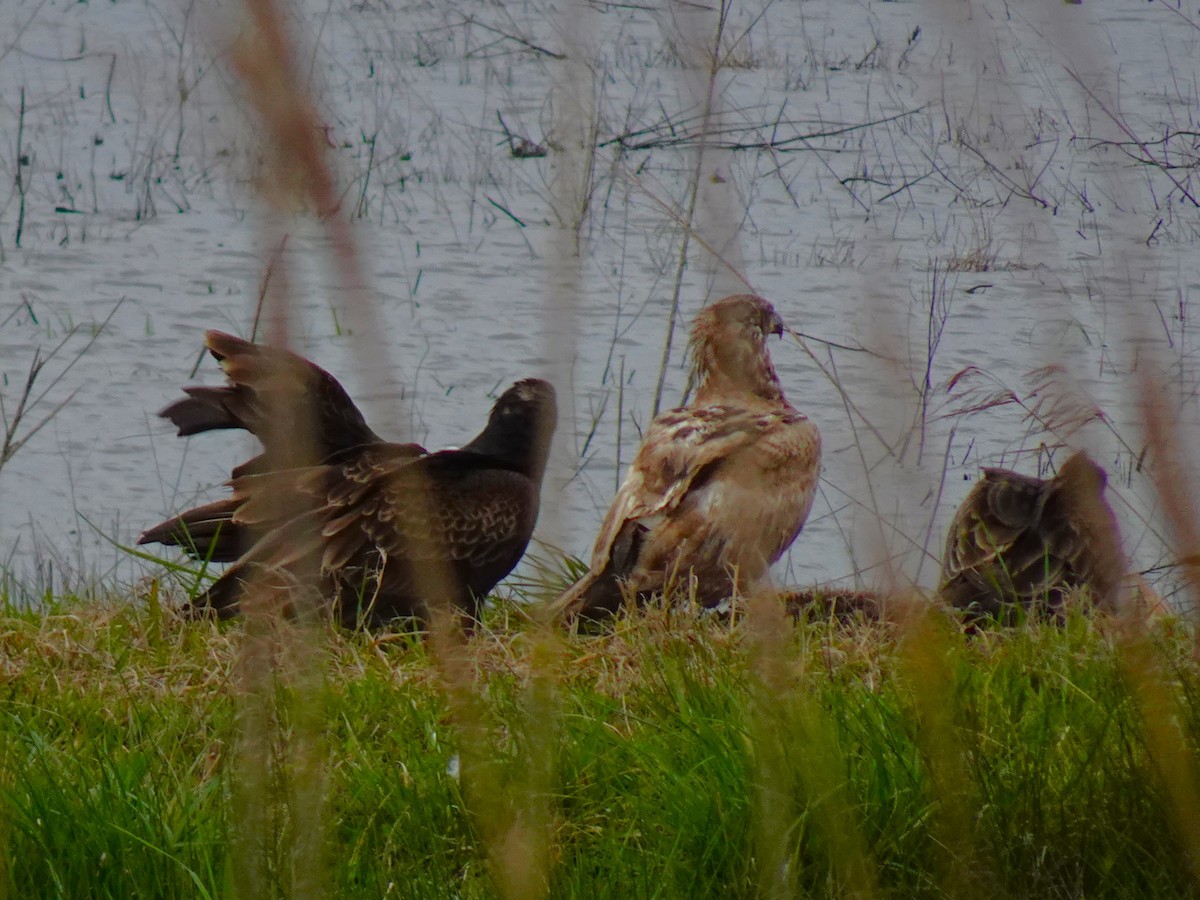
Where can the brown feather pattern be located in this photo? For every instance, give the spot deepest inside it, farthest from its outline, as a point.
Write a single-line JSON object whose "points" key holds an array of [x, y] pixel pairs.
{"points": [[263, 383], [363, 520], [719, 488], [1018, 542]]}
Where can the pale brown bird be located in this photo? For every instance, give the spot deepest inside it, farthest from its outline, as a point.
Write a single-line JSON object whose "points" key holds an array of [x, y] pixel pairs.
{"points": [[1024, 544], [374, 527], [719, 489]]}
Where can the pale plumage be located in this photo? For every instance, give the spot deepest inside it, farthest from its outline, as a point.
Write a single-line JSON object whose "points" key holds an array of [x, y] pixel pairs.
{"points": [[719, 488], [372, 528], [1025, 543]]}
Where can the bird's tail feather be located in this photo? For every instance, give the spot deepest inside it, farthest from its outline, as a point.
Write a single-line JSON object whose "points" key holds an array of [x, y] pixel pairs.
{"points": [[211, 409], [600, 594]]}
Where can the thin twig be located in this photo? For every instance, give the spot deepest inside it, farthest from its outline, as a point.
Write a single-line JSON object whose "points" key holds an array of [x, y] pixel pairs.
{"points": [[20, 171], [1133, 137], [791, 144], [262, 288], [471, 20], [504, 209], [710, 99], [27, 401]]}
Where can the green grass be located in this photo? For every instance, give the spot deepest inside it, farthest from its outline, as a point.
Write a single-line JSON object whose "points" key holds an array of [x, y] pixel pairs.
{"points": [[669, 758]]}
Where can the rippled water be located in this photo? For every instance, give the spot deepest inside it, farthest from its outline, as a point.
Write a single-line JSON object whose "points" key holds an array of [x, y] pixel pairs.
{"points": [[924, 159]]}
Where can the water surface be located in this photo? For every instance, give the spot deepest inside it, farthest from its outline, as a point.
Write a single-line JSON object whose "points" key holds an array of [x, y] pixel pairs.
{"points": [[948, 186]]}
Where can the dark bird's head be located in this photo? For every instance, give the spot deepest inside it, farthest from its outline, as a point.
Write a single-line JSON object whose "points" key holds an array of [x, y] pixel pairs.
{"points": [[728, 347], [1081, 474], [520, 427], [1097, 557]]}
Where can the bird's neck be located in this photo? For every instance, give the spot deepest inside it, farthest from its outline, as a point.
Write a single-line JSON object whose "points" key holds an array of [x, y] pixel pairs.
{"points": [[524, 450], [728, 370]]}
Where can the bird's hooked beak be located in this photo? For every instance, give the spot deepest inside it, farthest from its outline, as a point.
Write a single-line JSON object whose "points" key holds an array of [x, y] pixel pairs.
{"points": [[775, 325]]}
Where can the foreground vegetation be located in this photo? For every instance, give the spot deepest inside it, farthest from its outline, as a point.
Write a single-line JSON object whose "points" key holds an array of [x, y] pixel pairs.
{"points": [[668, 758]]}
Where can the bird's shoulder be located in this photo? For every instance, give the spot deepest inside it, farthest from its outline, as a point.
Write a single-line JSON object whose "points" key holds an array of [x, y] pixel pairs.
{"points": [[682, 441]]}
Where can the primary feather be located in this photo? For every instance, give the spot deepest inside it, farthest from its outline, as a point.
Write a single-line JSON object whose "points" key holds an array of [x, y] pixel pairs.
{"points": [[299, 412], [269, 389], [719, 488]]}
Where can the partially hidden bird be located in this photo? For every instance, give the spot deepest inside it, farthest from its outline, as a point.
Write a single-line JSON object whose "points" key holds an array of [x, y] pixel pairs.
{"points": [[372, 530], [719, 488], [1020, 545]]}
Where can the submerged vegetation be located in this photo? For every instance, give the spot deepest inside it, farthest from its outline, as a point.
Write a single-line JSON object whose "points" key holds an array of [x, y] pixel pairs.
{"points": [[670, 757]]}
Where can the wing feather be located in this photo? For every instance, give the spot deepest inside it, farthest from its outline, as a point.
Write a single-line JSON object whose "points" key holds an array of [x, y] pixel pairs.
{"points": [[678, 446], [1027, 541]]}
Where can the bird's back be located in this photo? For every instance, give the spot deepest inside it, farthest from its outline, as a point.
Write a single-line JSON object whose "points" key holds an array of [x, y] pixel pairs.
{"points": [[1018, 541]]}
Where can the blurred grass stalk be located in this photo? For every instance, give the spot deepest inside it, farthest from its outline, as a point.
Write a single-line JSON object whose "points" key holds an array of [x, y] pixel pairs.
{"points": [[281, 767], [281, 756], [795, 754], [1157, 694], [929, 653]]}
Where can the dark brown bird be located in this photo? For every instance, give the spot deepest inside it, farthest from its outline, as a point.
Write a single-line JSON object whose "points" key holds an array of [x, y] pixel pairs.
{"points": [[375, 526], [299, 412], [1024, 544], [268, 385], [719, 488]]}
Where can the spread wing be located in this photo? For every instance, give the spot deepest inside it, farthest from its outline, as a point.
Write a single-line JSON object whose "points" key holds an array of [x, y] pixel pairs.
{"points": [[268, 384], [403, 522], [222, 531]]}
